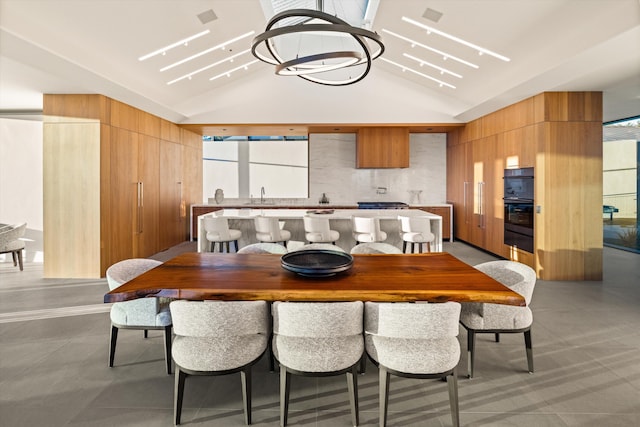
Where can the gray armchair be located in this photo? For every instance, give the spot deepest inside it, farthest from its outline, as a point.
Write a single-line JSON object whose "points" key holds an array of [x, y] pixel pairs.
{"points": [[497, 318], [218, 338], [414, 341], [10, 242], [141, 314], [318, 339]]}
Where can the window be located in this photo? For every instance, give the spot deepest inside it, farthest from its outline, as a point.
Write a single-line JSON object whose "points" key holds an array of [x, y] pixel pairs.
{"points": [[241, 166]]}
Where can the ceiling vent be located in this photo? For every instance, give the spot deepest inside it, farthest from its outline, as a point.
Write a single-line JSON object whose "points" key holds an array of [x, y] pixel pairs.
{"points": [[432, 15], [207, 16]]}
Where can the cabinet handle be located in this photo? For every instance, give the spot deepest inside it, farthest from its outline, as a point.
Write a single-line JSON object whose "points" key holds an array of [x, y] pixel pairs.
{"points": [[180, 197], [464, 202], [141, 209], [481, 223]]}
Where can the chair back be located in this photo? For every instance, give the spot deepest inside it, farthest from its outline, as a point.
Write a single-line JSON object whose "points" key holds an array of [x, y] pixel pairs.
{"points": [[321, 246], [415, 224], [123, 271], [268, 226], [516, 276], [412, 321], [11, 233], [318, 226], [375, 248], [219, 318], [367, 225], [217, 228], [317, 319], [263, 248]]}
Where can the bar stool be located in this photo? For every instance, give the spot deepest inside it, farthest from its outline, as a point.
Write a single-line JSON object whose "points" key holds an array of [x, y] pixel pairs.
{"points": [[416, 229], [268, 230], [317, 230], [218, 231], [367, 230]]}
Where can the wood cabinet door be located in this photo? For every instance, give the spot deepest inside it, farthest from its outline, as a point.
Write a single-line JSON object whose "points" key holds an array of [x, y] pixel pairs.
{"points": [[124, 194], [192, 177], [458, 189], [148, 219], [171, 212], [384, 147]]}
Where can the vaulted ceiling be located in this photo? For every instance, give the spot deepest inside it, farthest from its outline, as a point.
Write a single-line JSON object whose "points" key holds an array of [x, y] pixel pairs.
{"points": [[93, 46]]}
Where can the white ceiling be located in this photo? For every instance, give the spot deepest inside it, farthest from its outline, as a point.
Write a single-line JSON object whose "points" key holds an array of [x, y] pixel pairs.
{"points": [[92, 46]]}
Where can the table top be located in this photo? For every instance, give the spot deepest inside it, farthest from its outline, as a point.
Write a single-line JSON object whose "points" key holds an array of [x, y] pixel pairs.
{"points": [[435, 277]]}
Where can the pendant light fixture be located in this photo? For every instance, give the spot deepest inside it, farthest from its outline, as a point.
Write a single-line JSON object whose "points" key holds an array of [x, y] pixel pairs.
{"points": [[317, 47]]}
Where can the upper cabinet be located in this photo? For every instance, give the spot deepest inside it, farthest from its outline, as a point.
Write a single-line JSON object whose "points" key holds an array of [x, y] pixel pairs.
{"points": [[382, 147]]}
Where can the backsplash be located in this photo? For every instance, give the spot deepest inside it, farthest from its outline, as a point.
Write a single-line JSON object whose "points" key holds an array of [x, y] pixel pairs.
{"points": [[332, 160]]}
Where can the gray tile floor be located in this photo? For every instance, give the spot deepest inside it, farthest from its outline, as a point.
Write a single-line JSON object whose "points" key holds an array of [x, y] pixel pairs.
{"points": [[53, 364]]}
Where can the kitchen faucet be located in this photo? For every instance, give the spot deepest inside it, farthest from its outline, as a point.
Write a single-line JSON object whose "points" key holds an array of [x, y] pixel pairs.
{"points": [[261, 195]]}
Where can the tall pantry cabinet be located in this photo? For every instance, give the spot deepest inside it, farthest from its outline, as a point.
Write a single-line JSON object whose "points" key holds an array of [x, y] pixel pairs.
{"points": [[127, 198]]}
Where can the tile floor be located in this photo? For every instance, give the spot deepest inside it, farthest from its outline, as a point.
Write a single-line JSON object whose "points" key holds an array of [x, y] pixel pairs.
{"points": [[586, 336]]}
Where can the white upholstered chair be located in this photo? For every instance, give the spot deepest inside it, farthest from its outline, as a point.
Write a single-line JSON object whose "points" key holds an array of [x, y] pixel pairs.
{"points": [[375, 248], [141, 314], [263, 248], [367, 230], [414, 341], [268, 230], [498, 318], [317, 230], [415, 230], [320, 246], [218, 338], [10, 242], [218, 231], [317, 339]]}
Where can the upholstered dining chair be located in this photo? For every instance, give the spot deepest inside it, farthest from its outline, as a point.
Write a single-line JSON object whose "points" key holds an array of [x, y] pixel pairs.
{"points": [[217, 338], [367, 230], [498, 318], [321, 246], [317, 230], [414, 341], [268, 230], [375, 248], [141, 314], [416, 230], [263, 248], [218, 231], [10, 242], [317, 339]]}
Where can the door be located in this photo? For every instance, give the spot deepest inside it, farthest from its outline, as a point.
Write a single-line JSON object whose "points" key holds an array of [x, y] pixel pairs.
{"points": [[172, 209], [148, 187]]}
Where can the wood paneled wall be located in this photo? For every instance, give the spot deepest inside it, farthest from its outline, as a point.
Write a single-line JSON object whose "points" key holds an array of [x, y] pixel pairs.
{"points": [[97, 153], [560, 135]]}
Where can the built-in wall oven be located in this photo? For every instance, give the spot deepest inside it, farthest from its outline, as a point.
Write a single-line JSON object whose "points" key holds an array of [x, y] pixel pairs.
{"points": [[518, 208]]}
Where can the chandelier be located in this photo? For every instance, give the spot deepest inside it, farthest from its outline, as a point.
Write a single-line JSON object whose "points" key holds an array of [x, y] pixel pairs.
{"points": [[317, 47]]}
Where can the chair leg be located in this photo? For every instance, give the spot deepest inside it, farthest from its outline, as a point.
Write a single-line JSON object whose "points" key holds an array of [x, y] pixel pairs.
{"points": [[285, 379], [452, 382], [167, 348], [112, 344], [178, 394], [471, 346], [497, 334], [352, 385], [20, 259], [212, 247], [404, 246], [13, 255], [419, 248], [428, 246], [528, 345], [383, 394], [363, 364], [146, 334], [245, 375], [235, 242]]}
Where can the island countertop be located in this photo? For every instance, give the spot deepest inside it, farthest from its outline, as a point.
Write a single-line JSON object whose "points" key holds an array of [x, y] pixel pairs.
{"points": [[340, 220]]}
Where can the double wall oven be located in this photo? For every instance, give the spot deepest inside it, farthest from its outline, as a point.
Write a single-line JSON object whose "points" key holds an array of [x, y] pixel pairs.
{"points": [[518, 208]]}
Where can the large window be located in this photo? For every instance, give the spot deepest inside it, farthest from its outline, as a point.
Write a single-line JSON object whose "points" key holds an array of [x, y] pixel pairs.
{"points": [[242, 166]]}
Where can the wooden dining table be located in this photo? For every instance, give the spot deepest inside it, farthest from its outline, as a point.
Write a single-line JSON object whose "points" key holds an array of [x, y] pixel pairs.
{"points": [[433, 277]]}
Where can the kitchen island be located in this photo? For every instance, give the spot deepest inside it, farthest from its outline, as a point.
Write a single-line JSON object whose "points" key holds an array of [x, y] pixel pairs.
{"points": [[339, 219]]}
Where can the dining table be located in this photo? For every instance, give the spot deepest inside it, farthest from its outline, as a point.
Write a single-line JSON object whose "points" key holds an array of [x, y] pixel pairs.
{"points": [[431, 277]]}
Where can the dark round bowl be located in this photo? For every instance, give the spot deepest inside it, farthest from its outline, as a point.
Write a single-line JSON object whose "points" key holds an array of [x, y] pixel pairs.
{"points": [[317, 262]]}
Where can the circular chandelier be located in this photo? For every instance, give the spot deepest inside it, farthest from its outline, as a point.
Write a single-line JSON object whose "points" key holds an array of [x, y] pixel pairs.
{"points": [[322, 49]]}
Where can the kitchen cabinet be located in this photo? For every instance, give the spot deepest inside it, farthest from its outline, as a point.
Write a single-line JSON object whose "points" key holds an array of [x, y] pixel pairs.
{"points": [[446, 213], [382, 147], [172, 216]]}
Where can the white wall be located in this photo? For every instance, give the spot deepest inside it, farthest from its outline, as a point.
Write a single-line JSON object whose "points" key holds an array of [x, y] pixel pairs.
{"points": [[620, 171], [332, 160], [21, 172]]}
